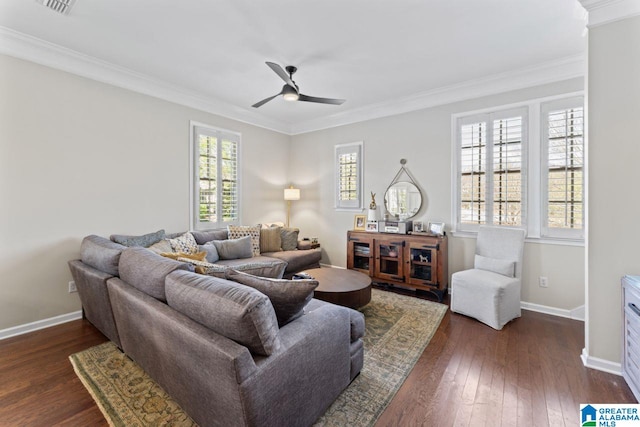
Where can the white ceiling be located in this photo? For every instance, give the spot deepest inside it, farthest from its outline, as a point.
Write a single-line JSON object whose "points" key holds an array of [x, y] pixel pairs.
{"points": [[371, 52]]}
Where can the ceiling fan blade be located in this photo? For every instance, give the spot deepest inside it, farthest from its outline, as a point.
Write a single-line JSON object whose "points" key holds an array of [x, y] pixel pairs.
{"points": [[264, 101], [282, 73], [321, 100]]}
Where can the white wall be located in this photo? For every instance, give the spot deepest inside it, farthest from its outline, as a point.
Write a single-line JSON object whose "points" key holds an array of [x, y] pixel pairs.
{"points": [[424, 139], [614, 206], [79, 157]]}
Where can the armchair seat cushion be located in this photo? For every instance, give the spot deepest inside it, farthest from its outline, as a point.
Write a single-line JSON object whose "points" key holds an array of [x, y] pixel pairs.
{"points": [[490, 297]]}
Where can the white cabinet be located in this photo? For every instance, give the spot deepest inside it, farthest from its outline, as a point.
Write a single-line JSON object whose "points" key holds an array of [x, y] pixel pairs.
{"points": [[631, 349]]}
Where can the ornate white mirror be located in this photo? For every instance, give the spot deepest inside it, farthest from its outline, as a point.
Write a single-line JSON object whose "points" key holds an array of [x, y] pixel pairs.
{"points": [[403, 199]]}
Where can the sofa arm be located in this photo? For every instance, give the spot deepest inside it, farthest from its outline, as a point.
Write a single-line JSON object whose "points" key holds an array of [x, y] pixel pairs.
{"points": [[306, 374]]}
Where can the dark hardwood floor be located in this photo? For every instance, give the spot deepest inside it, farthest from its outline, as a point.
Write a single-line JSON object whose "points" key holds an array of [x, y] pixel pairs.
{"points": [[527, 374]]}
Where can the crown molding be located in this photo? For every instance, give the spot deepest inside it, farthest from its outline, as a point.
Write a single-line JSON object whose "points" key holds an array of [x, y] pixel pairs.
{"points": [[606, 11], [550, 72], [23, 46]]}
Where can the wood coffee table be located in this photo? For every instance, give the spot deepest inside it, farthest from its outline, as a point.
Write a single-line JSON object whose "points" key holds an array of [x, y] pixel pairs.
{"points": [[343, 287]]}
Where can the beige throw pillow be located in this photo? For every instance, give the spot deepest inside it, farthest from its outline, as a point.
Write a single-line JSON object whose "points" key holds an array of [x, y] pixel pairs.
{"points": [[270, 239]]}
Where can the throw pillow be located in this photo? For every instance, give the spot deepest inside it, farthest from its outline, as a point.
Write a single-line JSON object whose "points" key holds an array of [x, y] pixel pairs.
{"points": [[270, 239], [161, 246], [236, 312], [237, 231], [212, 252], [234, 248], [289, 238], [288, 297], [500, 266], [185, 243], [144, 241], [198, 256], [272, 224]]}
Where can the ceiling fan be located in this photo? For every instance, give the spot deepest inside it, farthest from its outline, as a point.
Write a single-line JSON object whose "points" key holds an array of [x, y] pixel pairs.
{"points": [[290, 91]]}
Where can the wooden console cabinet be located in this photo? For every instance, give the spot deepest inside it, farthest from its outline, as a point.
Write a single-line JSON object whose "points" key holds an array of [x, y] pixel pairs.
{"points": [[416, 261]]}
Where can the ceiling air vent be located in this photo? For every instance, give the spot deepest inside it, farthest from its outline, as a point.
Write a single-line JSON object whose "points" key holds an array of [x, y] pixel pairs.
{"points": [[60, 6]]}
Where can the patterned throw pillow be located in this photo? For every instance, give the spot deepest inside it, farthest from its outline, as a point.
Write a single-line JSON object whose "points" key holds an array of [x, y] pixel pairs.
{"points": [[185, 243], [238, 231]]}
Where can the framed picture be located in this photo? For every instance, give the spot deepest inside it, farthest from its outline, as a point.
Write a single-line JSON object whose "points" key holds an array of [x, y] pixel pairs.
{"points": [[436, 228], [372, 226], [359, 222], [417, 226]]}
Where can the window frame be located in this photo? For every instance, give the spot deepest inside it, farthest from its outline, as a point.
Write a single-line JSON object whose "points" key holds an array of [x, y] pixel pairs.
{"points": [[196, 129], [358, 149], [534, 168]]}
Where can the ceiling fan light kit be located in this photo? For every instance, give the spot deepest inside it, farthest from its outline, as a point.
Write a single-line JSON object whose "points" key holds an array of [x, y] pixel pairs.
{"points": [[290, 91]]}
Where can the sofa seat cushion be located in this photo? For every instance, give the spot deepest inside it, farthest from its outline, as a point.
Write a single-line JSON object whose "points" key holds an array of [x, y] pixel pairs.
{"points": [[258, 266], [297, 260], [288, 297], [145, 270], [237, 312], [101, 254]]}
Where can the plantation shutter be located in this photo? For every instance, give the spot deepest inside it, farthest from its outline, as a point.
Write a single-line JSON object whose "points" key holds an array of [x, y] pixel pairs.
{"points": [[491, 169], [216, 189], [563, 171], [348, 170]]}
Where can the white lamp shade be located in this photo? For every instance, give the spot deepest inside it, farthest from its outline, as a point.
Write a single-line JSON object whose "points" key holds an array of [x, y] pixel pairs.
{"points": [[292, 194]]}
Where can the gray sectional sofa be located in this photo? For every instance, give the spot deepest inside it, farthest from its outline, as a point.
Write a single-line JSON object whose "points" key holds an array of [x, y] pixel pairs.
{"points": [[231, 350]]}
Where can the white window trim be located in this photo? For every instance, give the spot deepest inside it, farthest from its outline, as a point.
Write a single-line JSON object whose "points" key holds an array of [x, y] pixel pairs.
{"points": [[535, 158], [359, 148], [194, 153]]}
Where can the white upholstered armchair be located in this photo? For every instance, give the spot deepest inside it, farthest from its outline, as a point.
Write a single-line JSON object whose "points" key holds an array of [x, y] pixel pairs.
{"points": [[490, 292]]}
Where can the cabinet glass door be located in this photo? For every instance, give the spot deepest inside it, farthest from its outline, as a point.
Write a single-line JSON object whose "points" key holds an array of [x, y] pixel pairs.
{"points": [[389, 255], [360, 255], [422, 264]]}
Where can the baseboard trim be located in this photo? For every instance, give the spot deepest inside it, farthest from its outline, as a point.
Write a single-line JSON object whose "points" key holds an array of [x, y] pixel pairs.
{"points": [[600, 364], [575, 314], [40, 324]]}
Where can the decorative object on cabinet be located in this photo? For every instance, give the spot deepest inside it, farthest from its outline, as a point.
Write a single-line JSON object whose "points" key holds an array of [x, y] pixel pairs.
{"points": [[417, 226], [403, 199], [359, 222], [372, 226], [418, 262], [289, 195], [631, 330], [436, 228], [490, 292]]}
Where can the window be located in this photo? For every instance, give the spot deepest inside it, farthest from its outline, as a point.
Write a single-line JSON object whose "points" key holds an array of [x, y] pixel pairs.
{"points": [[521, 166], [349, 176], [214, 172], [491, 163], [563, 163]]}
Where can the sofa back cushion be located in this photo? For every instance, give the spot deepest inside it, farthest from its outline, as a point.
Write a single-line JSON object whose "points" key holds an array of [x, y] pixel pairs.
{"points": [[101, 253], [144, 241], [238, 312], [146, 271]]}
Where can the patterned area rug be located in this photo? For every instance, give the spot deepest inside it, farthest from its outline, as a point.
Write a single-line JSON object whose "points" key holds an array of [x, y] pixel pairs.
{"points": [[398, 328]]}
